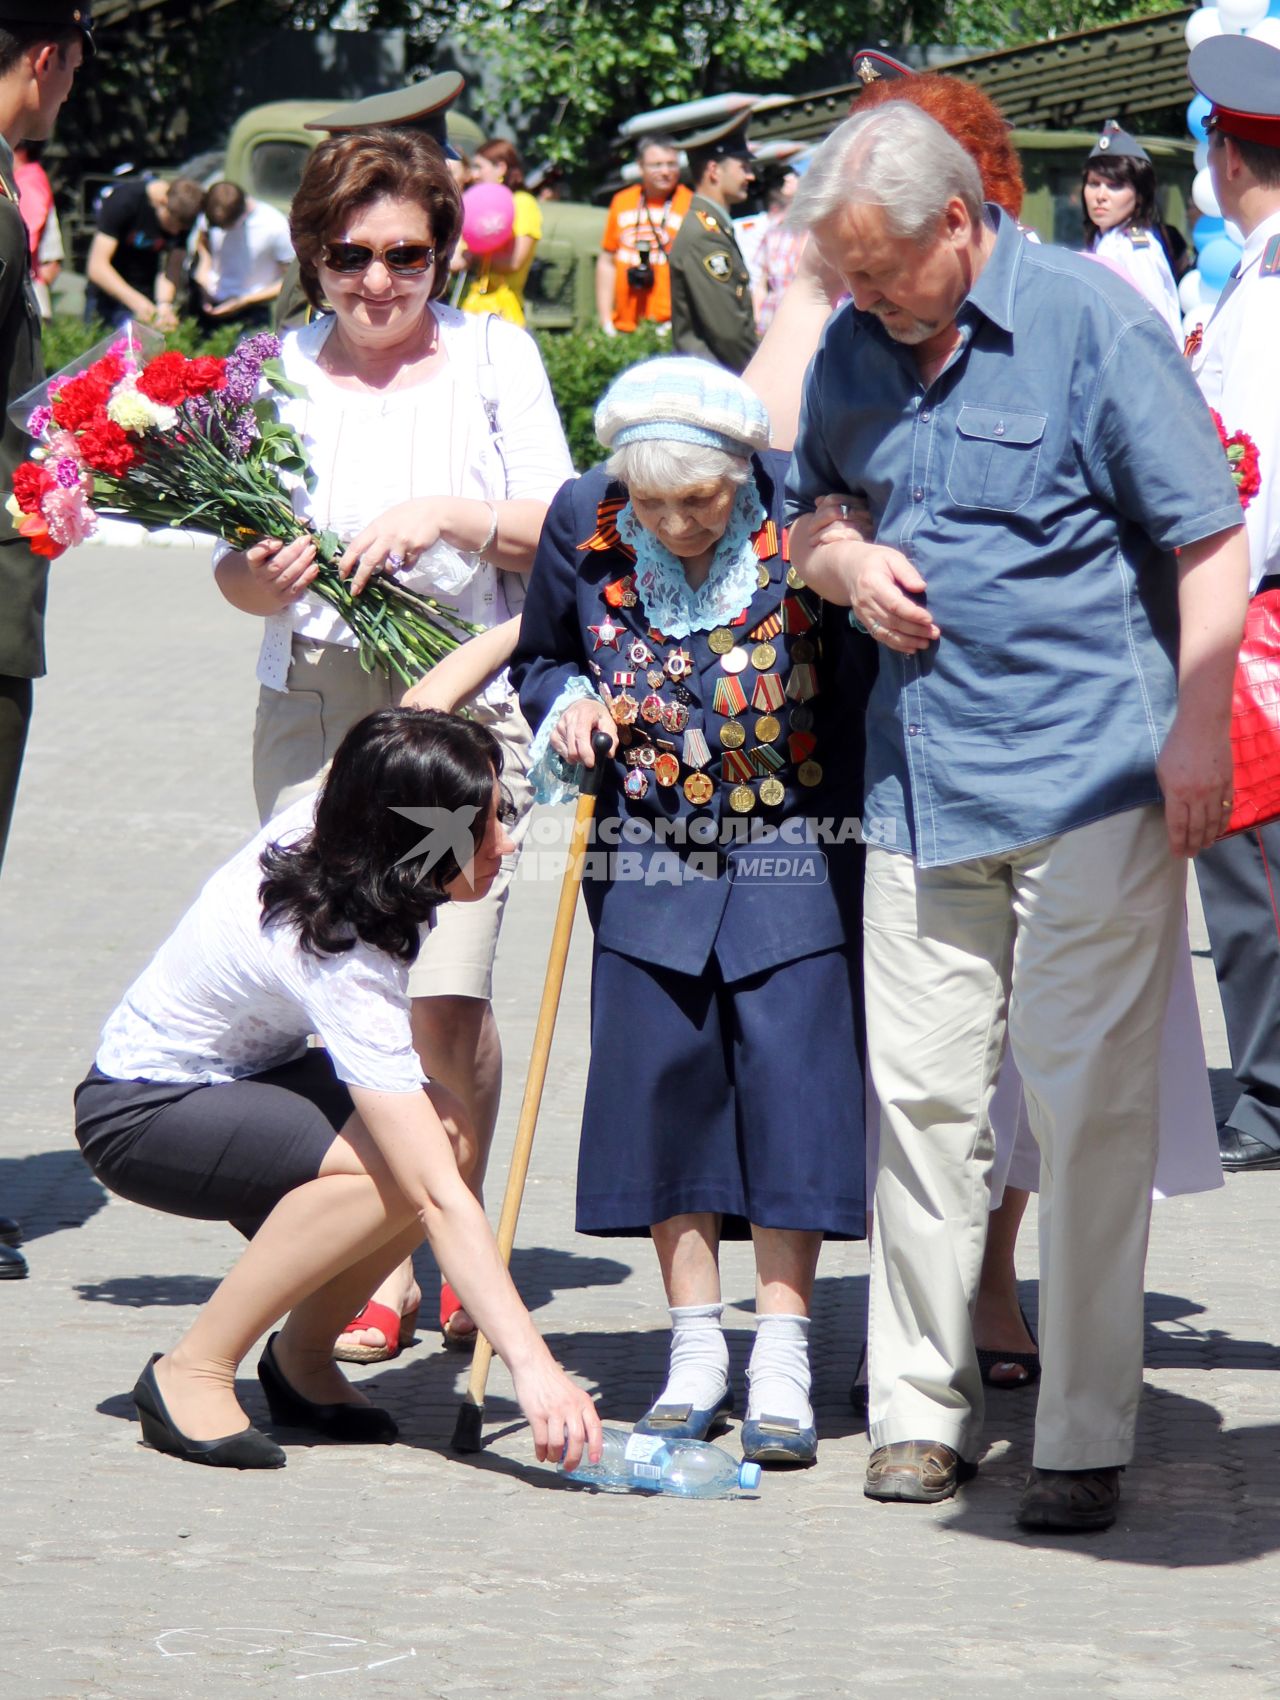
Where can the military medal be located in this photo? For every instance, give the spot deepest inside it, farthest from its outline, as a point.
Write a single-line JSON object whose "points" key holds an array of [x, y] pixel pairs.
{"points": [[762, 576], [646, 755], [638, 652], [734, 660], [622, 592], [720, 641], [675, 716], [624, 709], [683, 694], [651, 708], [697, 751], [655, 678], [794, 579], [763, 657], [699, 789], [802, 650], [809, 773], [765, 759], [767, 729], [636, 784], [801, 717], [802, 683], [772, 792], [732, 736], [624, 679], [666, 770], [768, 628], [736, 765], [728, 698], [679, 664], [742, 799], [801, 745], [606, 634], [796, 618], [767, 693]]}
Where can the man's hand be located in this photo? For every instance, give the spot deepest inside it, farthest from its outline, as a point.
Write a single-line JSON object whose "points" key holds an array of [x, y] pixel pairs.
{"points": [[878, 583], [1194, 770]]}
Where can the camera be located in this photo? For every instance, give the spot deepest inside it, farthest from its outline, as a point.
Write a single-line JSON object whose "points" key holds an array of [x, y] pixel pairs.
{"points": [[640, 276]]}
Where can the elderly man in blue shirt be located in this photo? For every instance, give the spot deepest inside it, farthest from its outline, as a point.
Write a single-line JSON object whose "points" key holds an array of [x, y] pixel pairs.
{"points": [[1047, 742]]}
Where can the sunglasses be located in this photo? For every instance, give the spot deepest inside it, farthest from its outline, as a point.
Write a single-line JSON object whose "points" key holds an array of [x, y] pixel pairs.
{"points": [[402, 259]]}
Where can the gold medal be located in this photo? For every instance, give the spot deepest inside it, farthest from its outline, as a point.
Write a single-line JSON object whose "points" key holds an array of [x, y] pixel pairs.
{"points": [[772, 791], [767, 729], [624, 709], [734, 660], [742, 799], [699, 789], [809, 773], [720, 641], [666, 770], [763, 657], [794, 579], [732, 736], [762, 576]]}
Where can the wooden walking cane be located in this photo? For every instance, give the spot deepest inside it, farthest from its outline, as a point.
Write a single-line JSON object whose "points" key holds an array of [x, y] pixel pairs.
{"points": [[467, 1429]]}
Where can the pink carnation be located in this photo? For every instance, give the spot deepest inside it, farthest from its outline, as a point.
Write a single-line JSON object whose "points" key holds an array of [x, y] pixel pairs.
{"points": [[40, 421], [69, 517], [69, 472]]}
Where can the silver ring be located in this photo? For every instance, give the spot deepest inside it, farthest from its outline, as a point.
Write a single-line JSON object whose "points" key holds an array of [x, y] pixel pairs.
{"points": [[876, 628], [395, 560]]}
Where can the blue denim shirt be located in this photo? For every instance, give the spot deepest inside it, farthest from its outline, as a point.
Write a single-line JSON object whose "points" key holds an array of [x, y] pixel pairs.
{"points": [[1038, 485]]}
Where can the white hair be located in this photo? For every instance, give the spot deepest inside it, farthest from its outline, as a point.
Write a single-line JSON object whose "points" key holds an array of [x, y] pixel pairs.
{"points": [[662, 463], [896, 157]]}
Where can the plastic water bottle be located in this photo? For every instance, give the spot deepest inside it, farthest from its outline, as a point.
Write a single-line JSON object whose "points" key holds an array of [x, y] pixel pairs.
{"points": [[646, 1463]]}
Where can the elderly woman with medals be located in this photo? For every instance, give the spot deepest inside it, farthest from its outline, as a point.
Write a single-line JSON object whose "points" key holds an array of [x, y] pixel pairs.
{"points": [[725, 1089]]}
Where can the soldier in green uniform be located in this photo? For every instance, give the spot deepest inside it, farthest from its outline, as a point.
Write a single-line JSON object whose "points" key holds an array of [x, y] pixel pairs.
{"points": [[42, 43], [711, 310], [422, 106]]}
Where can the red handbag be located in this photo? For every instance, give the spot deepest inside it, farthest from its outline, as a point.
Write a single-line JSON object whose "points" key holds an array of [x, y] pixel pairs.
{"points": [[1255, 718]]}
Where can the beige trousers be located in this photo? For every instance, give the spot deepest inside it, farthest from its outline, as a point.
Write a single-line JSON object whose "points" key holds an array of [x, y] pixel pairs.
{"points": [[1070, 943], [296, 734]]}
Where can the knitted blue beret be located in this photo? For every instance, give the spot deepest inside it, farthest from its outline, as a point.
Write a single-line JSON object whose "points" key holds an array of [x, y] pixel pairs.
{"points": [[683, 400]]}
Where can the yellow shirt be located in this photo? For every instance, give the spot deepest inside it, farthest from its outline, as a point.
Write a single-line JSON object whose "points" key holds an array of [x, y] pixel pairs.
{"points": [[503, 292]]}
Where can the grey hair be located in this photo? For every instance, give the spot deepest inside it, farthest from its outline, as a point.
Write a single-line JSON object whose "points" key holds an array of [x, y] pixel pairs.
{"points": [[662, 463], [895, 157]]}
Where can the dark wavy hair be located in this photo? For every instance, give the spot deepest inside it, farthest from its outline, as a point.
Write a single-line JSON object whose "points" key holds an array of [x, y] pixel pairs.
{"points": [[354, 876], [350, 171], [1123, 172]]}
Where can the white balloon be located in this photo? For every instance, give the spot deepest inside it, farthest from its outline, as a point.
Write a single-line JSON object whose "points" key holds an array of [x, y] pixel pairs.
{"points": [[1202, 24], [1268, 30], [1241, 14], [1234, 232], [1190, 292], [1201, 155], [1203, 196]]}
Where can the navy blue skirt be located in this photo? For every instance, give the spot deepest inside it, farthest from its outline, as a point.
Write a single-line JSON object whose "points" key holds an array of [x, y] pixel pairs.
{"points": [[745, 1100]]}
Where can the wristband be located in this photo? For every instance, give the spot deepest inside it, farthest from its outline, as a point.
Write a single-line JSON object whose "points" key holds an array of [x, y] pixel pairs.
{"points": [[493, 529]]}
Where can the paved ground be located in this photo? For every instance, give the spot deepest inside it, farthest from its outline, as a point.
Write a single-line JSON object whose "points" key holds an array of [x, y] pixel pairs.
{"points": [[407, 1572]]}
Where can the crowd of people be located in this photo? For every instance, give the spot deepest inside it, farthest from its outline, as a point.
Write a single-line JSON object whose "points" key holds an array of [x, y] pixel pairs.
{"points": [[887, 564]]}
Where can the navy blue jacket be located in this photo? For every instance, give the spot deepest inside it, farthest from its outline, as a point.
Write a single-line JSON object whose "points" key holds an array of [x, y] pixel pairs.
{"points": [[753, 906]]}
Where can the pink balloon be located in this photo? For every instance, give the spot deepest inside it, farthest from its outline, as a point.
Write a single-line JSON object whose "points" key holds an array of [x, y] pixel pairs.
{"points": [[488, 217]]}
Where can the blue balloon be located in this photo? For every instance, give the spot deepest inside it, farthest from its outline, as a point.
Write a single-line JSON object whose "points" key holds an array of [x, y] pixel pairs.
{"points": [[1198, 110], [1273, 10], [1205, 229], [1217, 261]]}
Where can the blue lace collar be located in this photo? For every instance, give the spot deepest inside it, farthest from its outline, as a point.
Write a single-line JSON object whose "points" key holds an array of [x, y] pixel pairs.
{"points": [[728, 587]]}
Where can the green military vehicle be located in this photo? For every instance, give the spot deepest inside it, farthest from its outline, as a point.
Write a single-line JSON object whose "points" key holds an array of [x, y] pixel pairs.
{"points": [[267, 153]]}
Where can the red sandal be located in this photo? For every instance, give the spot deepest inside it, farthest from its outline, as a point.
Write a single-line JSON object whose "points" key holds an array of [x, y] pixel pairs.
{"points": [[457, 1340], [396, 1330]]}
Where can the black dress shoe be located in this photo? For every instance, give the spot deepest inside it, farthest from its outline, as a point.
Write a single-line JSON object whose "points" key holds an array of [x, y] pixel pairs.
{"points": [[249, 1449], [1242, 1151], [355, 1423], [13, 1265], [1070, 1501], [10, 1231]]}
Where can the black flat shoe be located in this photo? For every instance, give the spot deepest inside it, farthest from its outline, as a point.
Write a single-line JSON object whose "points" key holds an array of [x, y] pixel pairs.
{"points": [[1241, 1151], [13, 1265], [250, 1449], [10, 1231], [355, 1423]]}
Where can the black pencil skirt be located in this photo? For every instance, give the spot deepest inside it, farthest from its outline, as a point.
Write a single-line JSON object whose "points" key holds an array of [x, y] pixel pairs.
{"points": [[227, 1152]]}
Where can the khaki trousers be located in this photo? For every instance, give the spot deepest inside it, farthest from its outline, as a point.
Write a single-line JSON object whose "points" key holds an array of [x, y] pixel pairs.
{"points": [[296, 734], [1070, 943]]}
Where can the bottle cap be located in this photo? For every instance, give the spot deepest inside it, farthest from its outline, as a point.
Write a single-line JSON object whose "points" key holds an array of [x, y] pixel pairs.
{"points": [[748, 1475]]}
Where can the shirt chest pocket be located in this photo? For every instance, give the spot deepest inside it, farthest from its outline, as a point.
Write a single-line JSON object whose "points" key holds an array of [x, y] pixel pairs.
{"points": [[995, 458]]}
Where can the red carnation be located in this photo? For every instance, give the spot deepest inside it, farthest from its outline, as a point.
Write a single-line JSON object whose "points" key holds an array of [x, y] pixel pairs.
{"points": [[107, 448], [109, 370], [80, 399], [29, 485], [205, 373], [164, 379]]}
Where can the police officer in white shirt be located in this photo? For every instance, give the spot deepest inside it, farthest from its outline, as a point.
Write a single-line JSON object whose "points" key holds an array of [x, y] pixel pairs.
{"points": [[1119, 195], [1237, 364]]}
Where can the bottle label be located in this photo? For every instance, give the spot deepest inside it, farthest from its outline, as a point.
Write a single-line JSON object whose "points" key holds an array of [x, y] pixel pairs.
{"points": [[642, 1447], [647, 1472]]}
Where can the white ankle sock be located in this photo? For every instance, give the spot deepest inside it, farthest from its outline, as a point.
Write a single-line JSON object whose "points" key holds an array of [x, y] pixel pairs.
{"points": [[778, 1374], [699, 1369]]}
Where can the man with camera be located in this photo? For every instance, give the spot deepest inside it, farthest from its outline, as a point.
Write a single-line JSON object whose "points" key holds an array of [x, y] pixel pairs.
{"points": [[711, 308], [632, 279]]}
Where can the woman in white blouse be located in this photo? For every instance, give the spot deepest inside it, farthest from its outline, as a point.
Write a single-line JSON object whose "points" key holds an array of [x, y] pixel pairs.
{"points": [[435, 448], [1119, 194], [205, 1099]]}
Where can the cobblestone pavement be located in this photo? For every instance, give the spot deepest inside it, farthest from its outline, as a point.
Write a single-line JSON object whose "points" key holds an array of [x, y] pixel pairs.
{"points": [[408, 1572]]}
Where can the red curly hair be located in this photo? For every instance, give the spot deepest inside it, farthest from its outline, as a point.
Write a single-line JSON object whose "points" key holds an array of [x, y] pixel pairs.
{"points": [[971, 117]]}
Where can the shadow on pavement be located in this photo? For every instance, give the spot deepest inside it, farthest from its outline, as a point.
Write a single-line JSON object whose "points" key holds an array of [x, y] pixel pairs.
{"points": [[47, 1191], [539, 1272], [140, 1291]]}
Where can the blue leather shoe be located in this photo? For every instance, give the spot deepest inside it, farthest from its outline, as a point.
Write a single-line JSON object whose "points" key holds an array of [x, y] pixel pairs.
{"points": [[779, 1440], [682, 1422]]}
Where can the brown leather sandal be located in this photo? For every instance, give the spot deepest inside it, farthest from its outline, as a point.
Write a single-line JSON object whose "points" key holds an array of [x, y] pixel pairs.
{"points": [[1070, 1501], [921, 1472]]}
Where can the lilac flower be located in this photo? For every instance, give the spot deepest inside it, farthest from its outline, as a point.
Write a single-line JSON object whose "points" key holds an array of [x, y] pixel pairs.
{"points": [[244, 366]]}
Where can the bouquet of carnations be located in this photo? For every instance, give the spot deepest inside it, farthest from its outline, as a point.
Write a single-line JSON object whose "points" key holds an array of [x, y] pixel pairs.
{"points": [[1242, 460], [172, 441]]}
